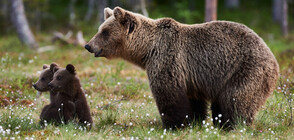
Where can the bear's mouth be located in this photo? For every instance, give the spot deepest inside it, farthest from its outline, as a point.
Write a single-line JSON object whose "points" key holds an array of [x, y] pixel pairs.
{"points": [[40, 89], [97, 54]]}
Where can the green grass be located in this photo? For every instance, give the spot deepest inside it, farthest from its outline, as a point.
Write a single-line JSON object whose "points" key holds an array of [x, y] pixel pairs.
{"points": [[118, 93], [120, 99]]}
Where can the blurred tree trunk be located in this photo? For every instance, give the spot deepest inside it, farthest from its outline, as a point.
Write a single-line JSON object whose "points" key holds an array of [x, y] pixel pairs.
{"points": [[72, 14], [19, 20], [138, 6], [210, 10], [284, 21], [143, 8], [277, 10], [232, 3], [280, 14], [4, 7], [101, 4], [90, 10]]}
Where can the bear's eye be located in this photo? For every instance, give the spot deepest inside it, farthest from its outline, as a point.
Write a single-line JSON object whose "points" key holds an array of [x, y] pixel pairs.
{"points": [[105, 33], [58, 78], [42, 79]]}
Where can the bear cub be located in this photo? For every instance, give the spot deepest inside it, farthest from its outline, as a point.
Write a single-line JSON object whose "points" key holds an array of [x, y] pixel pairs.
{"points": [[66, 83], [45, 78], [61, 108]]}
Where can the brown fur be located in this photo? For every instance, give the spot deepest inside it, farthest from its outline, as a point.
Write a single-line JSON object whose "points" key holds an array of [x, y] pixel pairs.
{"points": [[61, 109], [221, 62], [45, 78], [66, 83]]}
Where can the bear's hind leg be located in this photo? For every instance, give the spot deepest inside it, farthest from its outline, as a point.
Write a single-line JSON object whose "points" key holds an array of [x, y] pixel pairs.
{"points": [[244, 94]]}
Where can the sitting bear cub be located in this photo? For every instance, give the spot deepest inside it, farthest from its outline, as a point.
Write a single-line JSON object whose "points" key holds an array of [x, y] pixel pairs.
{"points": [[61, 107], [45, 78], [66, 83]]}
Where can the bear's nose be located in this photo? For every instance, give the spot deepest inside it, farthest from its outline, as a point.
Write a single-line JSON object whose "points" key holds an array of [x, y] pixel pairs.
{"points": [[50, 85], [34, 85], [88, 47]]}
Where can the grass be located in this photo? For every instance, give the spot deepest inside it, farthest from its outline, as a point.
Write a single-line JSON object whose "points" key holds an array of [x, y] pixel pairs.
{"points": [[118, 93]]}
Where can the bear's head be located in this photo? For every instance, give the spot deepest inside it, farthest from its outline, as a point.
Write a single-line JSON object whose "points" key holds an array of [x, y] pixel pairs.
{"points": [[115, 34], [45, 78], [64, 80]]}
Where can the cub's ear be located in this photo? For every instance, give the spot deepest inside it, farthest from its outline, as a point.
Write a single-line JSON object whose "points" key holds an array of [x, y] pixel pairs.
{"points": [[125, 18], [45, 66], [55, 69], [52, 66], [107, 13], [71, 69]]}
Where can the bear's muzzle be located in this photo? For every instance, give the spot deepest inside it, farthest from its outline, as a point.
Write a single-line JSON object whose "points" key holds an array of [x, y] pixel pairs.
{"points": [[98, 53]]}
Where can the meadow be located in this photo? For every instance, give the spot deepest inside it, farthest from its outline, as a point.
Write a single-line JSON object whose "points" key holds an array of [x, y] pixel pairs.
{"points": [[118, 93], [121, 103]]}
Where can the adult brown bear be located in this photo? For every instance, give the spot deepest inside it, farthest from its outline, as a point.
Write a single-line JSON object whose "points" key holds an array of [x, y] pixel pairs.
{"points": [[221, 62]]}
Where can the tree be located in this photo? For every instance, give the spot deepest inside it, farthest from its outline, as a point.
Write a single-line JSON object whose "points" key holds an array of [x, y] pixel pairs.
{"points": [[280, 14], [72, 14], [101, 4], [284, 21], [20, 22], [90, 10], [138, 6], [277, 10], [210, 10], [232, 3], [4, 7], [143, 7]]}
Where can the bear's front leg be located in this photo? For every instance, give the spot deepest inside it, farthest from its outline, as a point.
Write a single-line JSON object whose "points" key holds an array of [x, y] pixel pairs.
{"points": [[69, 110], [172, 101]]}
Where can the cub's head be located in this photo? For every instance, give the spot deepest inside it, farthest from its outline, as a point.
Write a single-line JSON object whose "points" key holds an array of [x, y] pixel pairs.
{"points": [[45, 78], [114, 34], [64, 79]]}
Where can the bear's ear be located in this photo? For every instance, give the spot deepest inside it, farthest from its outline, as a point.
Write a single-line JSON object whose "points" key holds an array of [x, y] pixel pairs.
{"points": [[45, 66], [119, 14], [55, 69], [126, 19], [52, 66], [107, 13], [71, 69]]}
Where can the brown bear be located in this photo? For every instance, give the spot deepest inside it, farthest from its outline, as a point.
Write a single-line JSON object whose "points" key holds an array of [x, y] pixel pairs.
{"points": [[45, 78], [66, 82], [61, 109], [222, 63]]}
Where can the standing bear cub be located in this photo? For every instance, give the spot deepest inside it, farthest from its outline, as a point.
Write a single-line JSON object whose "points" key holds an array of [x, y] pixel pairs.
{"points": [[65, 82], [222, 63]]}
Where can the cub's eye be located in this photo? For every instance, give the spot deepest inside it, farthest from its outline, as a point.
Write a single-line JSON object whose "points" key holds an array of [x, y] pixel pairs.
{"points": [[42, 79], [58, 78]]}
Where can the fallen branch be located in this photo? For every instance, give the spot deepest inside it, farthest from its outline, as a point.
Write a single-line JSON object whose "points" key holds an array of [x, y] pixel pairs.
{"points": [[67, 39]]}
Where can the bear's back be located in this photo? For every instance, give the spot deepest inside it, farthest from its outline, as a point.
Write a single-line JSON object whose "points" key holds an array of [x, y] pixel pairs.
{"points": [[217, 50]]}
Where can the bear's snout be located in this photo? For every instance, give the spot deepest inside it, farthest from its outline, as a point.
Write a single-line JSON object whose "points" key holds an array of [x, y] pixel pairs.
{"points": [[88, 47], [50, 86], [34, 85]]}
